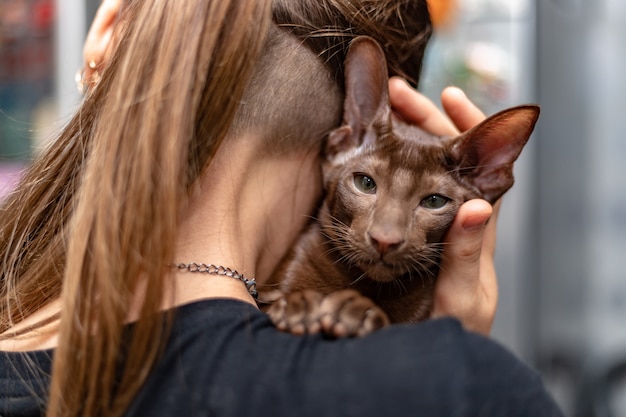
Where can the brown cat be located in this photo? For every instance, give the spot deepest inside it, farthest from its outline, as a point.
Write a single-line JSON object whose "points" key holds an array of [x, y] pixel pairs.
{"points": [[392, 191]]}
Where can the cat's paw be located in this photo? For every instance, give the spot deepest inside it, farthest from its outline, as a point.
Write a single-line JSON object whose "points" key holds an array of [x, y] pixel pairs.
{"points": [[297, 312], [347, 313], [344, 313]]}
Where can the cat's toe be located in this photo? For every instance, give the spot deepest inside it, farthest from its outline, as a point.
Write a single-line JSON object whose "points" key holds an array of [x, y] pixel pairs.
{"points": [[374, 319], [347, 313], [297, 312]]}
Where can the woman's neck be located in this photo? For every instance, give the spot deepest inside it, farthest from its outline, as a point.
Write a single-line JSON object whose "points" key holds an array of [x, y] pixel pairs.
{"points": [[243, 214]]}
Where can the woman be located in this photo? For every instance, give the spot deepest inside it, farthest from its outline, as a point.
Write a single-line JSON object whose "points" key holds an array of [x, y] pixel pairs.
{"points": [[200, 143]]}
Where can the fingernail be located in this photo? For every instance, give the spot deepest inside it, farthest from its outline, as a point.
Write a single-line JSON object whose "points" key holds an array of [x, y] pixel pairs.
{"points": [[457, 90]]}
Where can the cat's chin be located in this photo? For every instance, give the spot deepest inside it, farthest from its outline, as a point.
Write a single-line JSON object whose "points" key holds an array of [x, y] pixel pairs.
{"points": [[381, 272]]}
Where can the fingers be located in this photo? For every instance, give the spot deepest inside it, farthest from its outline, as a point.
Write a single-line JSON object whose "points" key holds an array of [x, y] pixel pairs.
{"points": [[463, 113], [416, 109], [488, 276], [465, 241], [489, 239], [466, 287]]}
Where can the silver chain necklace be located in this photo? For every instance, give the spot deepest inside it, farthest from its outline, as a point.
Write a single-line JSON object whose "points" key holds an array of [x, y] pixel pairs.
{"points": [[220, 270]]}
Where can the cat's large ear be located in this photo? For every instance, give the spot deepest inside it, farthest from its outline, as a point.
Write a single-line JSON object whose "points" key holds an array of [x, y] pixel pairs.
{"points": [[367, 95], [484, 155]]}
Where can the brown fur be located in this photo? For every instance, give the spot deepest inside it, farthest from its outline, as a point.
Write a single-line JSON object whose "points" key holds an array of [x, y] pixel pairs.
{"points": [[387, 244]]}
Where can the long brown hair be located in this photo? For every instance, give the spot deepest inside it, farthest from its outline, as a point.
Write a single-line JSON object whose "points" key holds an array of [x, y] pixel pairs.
{"points": [[95, 216], [98, 212]]}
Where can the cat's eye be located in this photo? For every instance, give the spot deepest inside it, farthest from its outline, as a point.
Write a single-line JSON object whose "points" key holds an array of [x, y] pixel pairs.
{"points": [[364, 184], [434, 201]]}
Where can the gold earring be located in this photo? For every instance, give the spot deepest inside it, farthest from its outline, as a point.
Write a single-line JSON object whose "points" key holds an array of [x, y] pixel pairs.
{"points": [[95, 76], [84, 85]]}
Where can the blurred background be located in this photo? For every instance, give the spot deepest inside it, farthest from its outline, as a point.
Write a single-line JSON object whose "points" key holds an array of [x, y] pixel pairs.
{"points": [[561, 253]]}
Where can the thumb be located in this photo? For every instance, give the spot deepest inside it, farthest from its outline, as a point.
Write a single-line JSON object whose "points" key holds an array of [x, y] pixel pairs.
{"points": [[464, 241], [459, 286]]}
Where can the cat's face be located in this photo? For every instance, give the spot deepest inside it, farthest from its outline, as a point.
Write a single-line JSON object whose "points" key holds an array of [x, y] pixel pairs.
{"points": [[388, 206], [392, 189]]}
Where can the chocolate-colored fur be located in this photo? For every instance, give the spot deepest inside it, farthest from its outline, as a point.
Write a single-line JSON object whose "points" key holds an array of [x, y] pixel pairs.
{"points": [[392, 191]]}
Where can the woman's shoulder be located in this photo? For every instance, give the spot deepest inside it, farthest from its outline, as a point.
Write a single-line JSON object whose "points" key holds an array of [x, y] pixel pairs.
{"points": [[227, 357], [224, 357]]}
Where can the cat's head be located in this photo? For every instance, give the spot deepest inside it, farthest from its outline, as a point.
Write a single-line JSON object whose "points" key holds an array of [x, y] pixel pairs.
{"points": [[393, 189]]}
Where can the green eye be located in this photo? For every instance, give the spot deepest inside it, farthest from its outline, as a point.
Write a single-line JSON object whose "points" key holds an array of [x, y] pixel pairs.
{"points": [[364, 184], [434, 201]]}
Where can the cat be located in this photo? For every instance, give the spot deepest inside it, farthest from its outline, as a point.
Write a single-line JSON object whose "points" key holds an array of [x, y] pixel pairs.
{"points": [[391, 192]]}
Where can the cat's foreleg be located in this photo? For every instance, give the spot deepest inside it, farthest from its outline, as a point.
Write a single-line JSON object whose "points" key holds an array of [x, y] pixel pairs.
{"points": [[343, 313]]}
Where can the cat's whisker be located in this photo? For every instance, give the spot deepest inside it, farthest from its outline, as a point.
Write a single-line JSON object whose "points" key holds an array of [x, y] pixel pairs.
{"points": [[399, 284], [347, 254], [422, 268], [350, 259], [359, 278], [409, 275]]}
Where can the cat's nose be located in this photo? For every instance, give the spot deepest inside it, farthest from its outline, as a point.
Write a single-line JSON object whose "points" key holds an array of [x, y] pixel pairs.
{"points": [[385, 244]]}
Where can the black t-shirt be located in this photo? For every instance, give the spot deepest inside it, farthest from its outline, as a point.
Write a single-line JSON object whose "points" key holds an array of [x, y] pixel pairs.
{"points": [[225, 358]]}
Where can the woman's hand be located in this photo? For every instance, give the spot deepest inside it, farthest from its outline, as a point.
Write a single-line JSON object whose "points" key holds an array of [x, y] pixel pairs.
{"points": [[466, 287]]}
